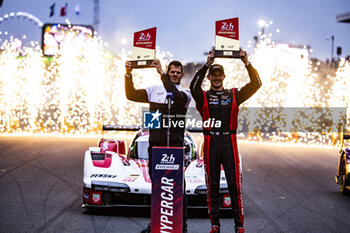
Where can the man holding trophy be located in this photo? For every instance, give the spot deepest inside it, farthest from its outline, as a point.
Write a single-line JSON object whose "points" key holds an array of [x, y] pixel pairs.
{"points": [[165, 100], [220, 144], [156, 96]]}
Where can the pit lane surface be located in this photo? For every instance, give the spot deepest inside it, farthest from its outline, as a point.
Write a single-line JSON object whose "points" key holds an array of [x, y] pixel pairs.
{"points": [[285, 190]]}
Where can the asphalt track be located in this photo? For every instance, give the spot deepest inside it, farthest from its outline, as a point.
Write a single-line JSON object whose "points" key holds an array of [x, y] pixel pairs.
{"points": [[285, 190]]}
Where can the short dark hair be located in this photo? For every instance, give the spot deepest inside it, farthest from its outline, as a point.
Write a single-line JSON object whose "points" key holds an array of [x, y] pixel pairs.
{"points": [[216, 68], [177, 64]]}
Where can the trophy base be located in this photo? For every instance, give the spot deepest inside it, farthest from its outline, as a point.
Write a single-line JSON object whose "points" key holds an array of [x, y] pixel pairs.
{"points": [[138, 64], [227, 53]]}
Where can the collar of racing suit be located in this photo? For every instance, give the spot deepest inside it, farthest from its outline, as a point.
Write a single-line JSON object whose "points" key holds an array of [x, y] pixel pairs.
{"points": [[217, 92]]}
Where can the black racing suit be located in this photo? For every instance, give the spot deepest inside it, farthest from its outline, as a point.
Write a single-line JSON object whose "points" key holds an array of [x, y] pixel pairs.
{"points": [[220, 144], [158, 137]]}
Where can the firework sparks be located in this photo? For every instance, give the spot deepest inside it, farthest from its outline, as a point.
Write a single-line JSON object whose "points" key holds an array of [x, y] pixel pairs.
{"points": [[82, 86]]}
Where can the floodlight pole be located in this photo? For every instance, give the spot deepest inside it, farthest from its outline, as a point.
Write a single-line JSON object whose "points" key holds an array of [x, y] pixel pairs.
{"points": [[96, 14], [332, 38]]}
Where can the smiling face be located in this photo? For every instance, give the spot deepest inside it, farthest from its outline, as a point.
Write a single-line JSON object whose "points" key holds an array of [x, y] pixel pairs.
{"points": [[175, 73], [216, 79]]}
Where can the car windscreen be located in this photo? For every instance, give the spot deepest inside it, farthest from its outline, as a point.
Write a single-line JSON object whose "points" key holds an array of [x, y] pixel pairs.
{"points": [[139, 150]]}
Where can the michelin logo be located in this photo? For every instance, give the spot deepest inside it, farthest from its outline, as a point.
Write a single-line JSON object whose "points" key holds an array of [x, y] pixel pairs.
{"points": [[151, 120]]}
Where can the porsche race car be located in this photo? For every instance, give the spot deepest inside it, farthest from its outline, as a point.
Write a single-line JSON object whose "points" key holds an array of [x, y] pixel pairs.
{"points": [[115, 176]]}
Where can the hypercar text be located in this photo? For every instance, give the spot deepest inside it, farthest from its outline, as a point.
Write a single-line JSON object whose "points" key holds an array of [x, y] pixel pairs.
{"points": [[166, 206]]}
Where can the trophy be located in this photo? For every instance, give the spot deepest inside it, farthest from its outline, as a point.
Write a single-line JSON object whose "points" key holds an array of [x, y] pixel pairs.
{"points": [[144, 49], [227, 38]]}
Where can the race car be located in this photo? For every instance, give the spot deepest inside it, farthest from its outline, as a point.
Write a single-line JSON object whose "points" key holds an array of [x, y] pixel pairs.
{"points": [[114, 176], [343, 176]]}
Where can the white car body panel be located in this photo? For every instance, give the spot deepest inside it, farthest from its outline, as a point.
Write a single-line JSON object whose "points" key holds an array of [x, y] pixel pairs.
{"points": [[135, 175]]}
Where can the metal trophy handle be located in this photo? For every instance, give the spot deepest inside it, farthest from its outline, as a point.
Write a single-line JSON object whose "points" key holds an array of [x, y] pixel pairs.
{"points": [[227, 54], [169, 97], [141, 64]]}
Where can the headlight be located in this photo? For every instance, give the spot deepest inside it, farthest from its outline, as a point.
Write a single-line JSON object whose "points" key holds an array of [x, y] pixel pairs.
{"points": [[110, 186]]}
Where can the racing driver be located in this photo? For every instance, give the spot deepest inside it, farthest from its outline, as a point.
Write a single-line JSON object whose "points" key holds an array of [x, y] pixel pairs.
{"points": [[156, 96], [220, 144]]}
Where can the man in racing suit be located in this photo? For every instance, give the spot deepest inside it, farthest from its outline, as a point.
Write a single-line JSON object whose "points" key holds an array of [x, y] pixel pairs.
{"points": [[156, 97], [220, 144]]}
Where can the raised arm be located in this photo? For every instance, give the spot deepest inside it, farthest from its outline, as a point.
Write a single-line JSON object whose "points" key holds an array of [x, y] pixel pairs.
{"points": [[180, 97], [196, 83], [138, 95], [250, 88]]}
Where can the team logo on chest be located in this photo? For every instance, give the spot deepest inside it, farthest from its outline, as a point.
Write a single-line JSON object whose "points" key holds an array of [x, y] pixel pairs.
{"points": [[213, 99], [225, 100]]}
